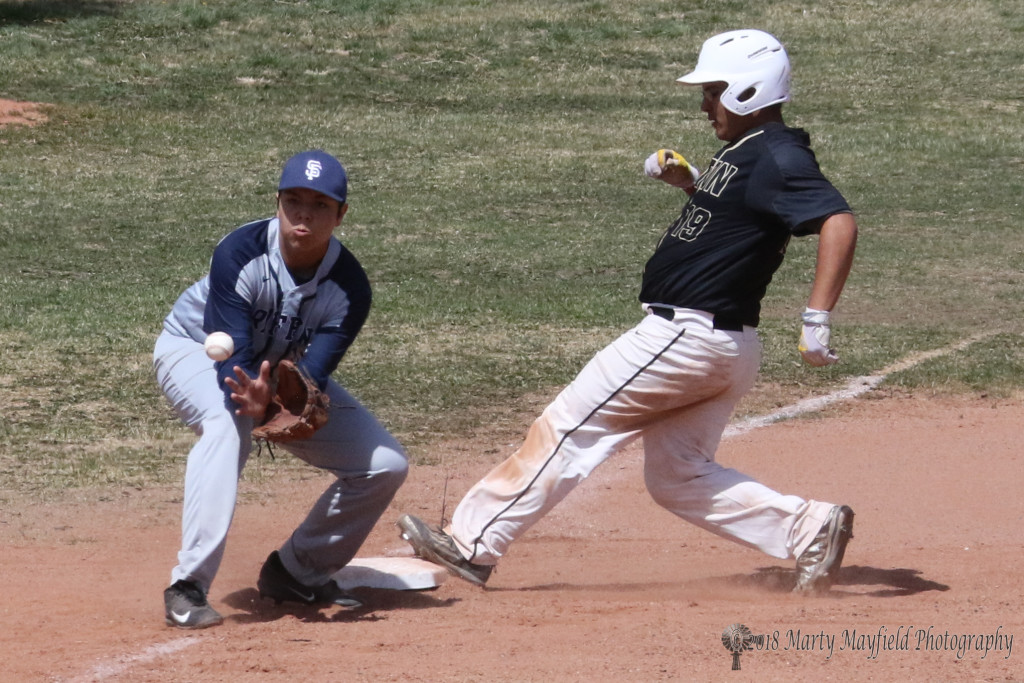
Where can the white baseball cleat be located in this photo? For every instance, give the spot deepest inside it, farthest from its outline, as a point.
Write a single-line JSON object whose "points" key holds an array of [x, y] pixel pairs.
{"points": [[439, 548], [818, 566]]}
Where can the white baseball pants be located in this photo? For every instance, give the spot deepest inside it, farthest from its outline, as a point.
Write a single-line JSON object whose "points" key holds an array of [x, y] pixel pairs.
{"points": [[674, 383], [368, 462]]}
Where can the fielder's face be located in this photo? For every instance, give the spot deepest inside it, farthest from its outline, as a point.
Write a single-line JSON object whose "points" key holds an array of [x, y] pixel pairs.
{"points": [[728, 126], [307, 220]]}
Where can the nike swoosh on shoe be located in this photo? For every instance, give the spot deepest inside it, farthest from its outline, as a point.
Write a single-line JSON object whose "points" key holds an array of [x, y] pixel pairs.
{"points": [[311, 597]]}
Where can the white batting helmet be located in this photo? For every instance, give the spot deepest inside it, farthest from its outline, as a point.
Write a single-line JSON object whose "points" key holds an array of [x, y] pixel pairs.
{"points": [[753, 63]]}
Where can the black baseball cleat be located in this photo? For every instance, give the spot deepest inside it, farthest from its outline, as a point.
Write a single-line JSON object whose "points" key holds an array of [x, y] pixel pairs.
{"points": [[818, 566], [185, 606], [277, 584], [439, 548]]}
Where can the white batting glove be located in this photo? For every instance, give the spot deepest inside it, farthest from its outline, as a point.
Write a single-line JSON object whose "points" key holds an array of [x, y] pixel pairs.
{"points": [[670, 166], [814, 339]]}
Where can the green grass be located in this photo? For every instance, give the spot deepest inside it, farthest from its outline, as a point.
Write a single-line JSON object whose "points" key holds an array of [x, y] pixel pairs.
{"points": [[495, 153]]}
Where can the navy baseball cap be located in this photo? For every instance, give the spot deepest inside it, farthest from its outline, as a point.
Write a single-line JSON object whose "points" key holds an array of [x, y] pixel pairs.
{"points": [[316, 170]]}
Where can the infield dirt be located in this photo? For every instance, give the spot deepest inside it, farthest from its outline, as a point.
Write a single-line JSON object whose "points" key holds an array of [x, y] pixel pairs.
{"points": [[609, 587]]}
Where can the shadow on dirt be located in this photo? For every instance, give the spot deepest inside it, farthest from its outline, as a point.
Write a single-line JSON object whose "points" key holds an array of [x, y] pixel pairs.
{"points": [[900, 582], [259, 610], [884, 583], [889, 583]]}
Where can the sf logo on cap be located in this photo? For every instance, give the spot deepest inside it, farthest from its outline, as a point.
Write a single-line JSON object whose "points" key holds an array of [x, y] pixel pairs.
{"points": [[313, 168]]}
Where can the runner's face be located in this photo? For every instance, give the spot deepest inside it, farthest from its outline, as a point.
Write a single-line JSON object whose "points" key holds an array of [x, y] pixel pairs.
{"points": [[728, 126]]}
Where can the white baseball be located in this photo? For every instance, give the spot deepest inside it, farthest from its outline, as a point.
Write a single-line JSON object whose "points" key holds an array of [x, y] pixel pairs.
{"points": [[219, 346]]}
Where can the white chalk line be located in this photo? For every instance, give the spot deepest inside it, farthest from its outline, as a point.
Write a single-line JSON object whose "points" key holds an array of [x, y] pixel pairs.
{"points": [[119, 665], [855, 387]]}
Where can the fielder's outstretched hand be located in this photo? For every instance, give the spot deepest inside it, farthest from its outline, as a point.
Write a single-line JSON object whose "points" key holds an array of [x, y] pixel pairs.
{"points": [[251, 395], [670, 166]]}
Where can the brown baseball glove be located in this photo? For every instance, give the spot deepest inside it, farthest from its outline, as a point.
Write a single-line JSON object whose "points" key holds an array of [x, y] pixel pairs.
{"points": [[298, 408]]}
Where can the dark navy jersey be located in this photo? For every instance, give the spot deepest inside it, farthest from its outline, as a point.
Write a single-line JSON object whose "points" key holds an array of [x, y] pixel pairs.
{"points": [[722, 251], [251, 295]]}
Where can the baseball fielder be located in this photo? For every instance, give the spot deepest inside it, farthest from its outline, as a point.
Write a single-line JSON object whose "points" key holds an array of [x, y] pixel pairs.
{"points": [[675, 378], [284, 288]]}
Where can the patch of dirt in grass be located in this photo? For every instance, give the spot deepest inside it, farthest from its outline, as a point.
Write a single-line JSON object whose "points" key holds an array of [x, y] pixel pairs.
{"points": [[13, 113]]}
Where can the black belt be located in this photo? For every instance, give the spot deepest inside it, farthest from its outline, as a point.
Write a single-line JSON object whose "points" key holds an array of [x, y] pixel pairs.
{"points": [[720, 323]]}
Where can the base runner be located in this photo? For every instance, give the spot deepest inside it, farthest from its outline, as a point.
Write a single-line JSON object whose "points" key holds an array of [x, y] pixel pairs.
{"points": [[675, 378]]}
